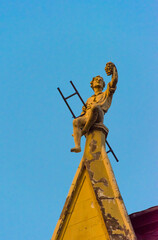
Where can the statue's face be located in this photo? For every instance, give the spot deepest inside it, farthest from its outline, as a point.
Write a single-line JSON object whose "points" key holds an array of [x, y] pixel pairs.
{"points": [[98, 82]]}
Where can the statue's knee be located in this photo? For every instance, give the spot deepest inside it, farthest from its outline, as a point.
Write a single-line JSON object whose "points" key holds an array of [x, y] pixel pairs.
{"points": [[95, 109], [75, 122]]}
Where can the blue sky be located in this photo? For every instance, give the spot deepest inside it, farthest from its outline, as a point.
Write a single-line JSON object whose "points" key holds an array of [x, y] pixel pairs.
{"points": [[44, 45]]}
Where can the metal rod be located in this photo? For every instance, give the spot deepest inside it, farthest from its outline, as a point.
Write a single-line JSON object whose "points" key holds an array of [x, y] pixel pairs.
{"points": [[78, 93], [71, 95], [66, 103], [112, 151]]}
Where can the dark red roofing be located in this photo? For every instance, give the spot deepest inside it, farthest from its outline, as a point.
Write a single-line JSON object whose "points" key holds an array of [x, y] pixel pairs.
{"points": [[145, 223]]}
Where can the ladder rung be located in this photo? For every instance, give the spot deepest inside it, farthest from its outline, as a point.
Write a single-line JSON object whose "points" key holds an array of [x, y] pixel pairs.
{"points": [[108, 151], [71, 95], [112, 151]]}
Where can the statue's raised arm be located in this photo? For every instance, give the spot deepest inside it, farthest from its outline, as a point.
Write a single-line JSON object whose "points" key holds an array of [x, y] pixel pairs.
{"points": [[96, 106], [111, 69]]}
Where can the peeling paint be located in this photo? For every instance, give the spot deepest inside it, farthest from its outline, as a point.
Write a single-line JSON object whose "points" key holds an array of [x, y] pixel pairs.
{"points": [[93, 145], [92, 205], [96, 155], [116, 231], [103, 197], [104, 181], [113, 225]]}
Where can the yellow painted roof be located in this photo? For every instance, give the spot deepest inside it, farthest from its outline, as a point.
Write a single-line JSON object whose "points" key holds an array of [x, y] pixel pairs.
{"points": [[94, 208]]}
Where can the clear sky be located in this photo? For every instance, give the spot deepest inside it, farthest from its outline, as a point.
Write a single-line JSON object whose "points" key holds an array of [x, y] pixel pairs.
{"points": [[43, 45]]}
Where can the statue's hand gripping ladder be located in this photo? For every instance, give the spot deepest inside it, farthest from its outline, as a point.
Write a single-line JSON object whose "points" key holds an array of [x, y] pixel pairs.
{"points": [[65, 100]]}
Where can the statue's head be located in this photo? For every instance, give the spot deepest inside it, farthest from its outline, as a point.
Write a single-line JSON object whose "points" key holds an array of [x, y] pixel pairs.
{"points": [[97, 82]]}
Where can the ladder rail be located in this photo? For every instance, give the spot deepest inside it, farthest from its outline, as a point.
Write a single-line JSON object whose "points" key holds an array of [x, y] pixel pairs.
{"points": [[78, 93], [66, 103], [110, 150]]}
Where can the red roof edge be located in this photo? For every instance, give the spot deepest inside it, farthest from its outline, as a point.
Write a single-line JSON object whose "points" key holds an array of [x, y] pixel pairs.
{"points": [[145, 223]]}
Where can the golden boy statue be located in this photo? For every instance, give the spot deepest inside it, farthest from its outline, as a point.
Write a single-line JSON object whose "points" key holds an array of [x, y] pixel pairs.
{"points": [[96, 106]]}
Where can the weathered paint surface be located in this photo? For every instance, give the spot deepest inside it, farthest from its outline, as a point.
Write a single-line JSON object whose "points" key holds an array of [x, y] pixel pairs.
{"points": [[94, 208], [84, 220]]}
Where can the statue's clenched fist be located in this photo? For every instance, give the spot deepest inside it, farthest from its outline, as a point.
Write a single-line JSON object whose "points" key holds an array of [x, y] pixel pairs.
{"points": [[110, 68]]}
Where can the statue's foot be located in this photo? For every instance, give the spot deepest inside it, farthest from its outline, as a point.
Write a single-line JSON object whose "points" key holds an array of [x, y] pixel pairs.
{"points": [[76, 149]]}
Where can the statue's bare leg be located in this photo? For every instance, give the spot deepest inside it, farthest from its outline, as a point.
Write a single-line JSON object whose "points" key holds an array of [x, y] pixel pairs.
{"points": [[78, 124], [95, 115]]}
